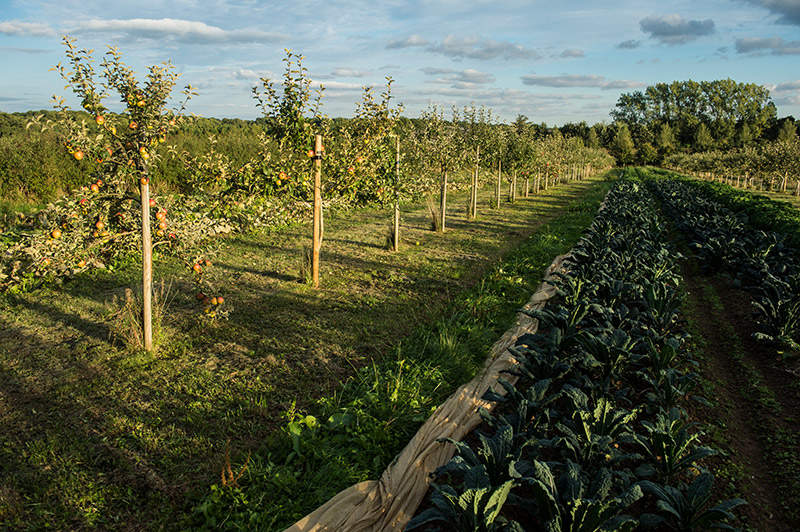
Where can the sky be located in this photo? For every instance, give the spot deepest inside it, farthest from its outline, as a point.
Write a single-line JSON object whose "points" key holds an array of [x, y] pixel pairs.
{"points": [[554, 62]]}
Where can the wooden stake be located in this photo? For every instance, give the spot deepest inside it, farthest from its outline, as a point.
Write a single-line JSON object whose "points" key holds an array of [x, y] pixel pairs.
{"points": [[474, 204], [443, 201], [499, 169], [396, 242], [317, 225], [514, 186], [147, 268]]}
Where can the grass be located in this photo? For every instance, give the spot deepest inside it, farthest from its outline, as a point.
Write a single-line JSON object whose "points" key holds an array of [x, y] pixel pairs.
{"points": [[98, 435]]}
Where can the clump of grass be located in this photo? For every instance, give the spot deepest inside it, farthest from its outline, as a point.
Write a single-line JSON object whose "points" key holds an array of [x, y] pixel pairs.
{"points": [[433, 212], [125, 317], [306, 276], [389, 243]]}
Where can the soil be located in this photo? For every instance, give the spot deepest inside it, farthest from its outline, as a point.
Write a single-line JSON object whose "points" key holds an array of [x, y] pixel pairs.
{"points": [[739, 369]]}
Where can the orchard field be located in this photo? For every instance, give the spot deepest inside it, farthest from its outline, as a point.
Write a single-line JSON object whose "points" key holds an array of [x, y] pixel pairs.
{"points": [[219, 324]]}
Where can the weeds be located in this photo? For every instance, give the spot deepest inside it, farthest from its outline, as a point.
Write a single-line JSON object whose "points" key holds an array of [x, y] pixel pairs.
{"points": [[125, 316]]}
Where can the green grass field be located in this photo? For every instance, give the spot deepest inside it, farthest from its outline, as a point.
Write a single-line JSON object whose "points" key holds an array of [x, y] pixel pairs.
{"points": [[99, 435]]}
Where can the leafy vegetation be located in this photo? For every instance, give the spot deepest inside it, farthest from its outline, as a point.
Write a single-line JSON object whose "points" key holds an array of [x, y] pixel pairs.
{"points": [[591, 386]]}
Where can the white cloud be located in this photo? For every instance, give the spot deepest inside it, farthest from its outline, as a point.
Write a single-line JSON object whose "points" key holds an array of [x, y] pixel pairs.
{"points": [[185, 30], [674, 29], [350, 73], [772, 45], [16, 28], [789, 10], [471, 47], [580, 80], [571, 52], [435, 71], [788, 86], [630, 44], [468, 78], [410, 41]]}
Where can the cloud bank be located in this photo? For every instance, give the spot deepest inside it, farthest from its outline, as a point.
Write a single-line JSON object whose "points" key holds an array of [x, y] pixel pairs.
{"points": [[470, 47], [674, 29]]}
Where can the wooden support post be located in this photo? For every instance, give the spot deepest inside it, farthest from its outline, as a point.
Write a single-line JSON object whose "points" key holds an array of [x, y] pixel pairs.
{"points": [[147, 267], [316, 244], [474, 205], [443, 201], [499, 169], [514, 187], [396, 242]]}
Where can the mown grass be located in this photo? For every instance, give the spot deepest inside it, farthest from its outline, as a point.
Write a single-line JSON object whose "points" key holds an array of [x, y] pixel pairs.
{"points": [[100, 436]]}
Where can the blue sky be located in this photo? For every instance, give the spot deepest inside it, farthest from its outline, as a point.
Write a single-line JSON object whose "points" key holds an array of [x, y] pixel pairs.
{"points": [[554, 62]]}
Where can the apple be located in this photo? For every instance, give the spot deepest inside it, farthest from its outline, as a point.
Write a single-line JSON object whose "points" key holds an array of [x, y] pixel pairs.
{"points": [[161, 215], [143, 153], [99, 224], [100, 120], [197, 268], [310, 153], [152, 202], [162, 225], [81, 263], [56, 233], [213, 300], [133, 125], [208, 263], [45, 262], [94, 187], [351, 170], [220, 300], [78, 155], [144, 180], [201, 296]]}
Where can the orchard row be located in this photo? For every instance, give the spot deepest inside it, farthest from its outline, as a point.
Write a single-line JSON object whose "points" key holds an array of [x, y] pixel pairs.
{"points": [[374, 157]]}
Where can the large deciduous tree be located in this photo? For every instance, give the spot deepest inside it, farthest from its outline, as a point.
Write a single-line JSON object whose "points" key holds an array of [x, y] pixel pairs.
{"points": [[725, 107]]}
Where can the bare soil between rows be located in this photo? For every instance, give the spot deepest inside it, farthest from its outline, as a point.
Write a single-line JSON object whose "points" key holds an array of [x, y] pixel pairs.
{"points": [[725, 327]]}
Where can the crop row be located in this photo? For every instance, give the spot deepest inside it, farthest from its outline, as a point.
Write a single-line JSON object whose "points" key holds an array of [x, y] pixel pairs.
{"points": [[595, 434], [759, 260]]}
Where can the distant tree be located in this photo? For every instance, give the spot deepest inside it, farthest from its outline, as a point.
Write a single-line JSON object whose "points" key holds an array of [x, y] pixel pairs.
{"points": [[665, 140], [703, 141], [622, 147], [647, 154], [592, 140], [744, 136], [787, 132], [721, 105]]}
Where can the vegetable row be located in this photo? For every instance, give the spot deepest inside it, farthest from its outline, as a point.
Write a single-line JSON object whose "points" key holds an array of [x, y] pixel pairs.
{"points": [[595, 432], [761, 261]]}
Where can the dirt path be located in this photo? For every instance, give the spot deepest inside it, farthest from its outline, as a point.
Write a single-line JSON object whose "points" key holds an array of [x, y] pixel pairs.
{"points": [[754, 398]]}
